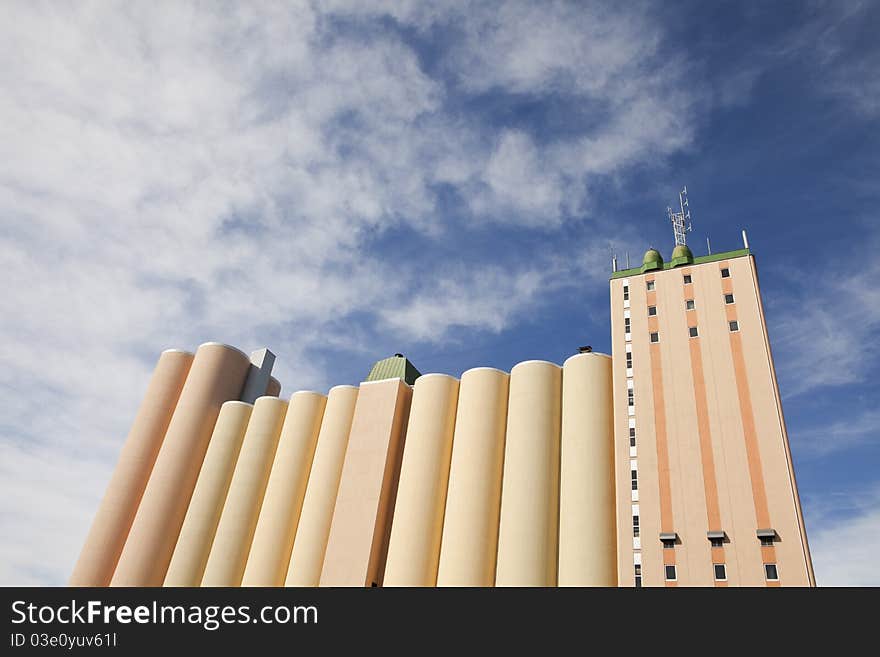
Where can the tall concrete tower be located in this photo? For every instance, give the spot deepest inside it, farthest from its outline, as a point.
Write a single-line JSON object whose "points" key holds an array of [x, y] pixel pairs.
{"points": [[706, 493]]}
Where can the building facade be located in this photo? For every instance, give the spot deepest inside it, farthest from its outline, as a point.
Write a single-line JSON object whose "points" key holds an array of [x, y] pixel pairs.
{"points": [[664, 464]]}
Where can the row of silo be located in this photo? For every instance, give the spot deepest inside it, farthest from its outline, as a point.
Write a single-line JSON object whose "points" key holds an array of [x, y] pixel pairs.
{"points": [[498, 478], [136, 527], [508, 479]]}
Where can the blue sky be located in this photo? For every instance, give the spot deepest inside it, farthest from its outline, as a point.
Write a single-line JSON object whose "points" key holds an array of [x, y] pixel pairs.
{"points": [[340, 181]]}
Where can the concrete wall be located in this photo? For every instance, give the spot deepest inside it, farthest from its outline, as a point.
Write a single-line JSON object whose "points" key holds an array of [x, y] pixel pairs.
{"points": [[708, 407]]}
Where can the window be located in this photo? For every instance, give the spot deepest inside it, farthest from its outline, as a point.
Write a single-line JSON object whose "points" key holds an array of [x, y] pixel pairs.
{"points": [[767, 541], [635, 479], [668, 543], [728, 299], [626, 292], [771, 572], [670, 573], [689, 304], [692, 331], [734, 326], [638, 576], [632, 437], [635, 526], [655, 337], [626, 324], [629, 397], [720, 572], [725, 273], [716, 542], [687, 279], [629, 360], [649, 286], [652, 311]]}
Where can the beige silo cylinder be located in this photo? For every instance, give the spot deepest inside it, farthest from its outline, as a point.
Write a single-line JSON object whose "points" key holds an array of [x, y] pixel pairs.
{"points": [[310, 543], [200, 524], [279, 516], [217, 374], [473, 501], [417, 524], [235, 531], [587, 527], [112, 522], [527, 534]]}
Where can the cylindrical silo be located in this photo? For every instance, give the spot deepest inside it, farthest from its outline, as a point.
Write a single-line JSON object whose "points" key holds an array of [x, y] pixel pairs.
{"points": [[473, 501], [313, 529], [112, 522], [417, 525], [276, 527], [217, 374], [587, 528], [528, 530], [200, 524], [235, 531]]}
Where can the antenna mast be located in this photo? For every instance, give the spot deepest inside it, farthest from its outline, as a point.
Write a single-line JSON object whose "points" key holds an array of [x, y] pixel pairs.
{"points": [[681, 221]]}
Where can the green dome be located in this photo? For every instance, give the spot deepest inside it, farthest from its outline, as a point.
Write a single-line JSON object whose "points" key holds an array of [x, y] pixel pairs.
{"points": [[682, 255], [652, 260]]}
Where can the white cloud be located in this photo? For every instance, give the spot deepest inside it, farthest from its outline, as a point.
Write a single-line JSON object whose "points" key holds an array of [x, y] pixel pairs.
{"points": [[823, 334], [846, 433], [845, 551], [175, 172]]}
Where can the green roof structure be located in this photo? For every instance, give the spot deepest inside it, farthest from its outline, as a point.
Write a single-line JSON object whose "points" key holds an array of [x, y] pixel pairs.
{"points": [[395, 367], [635, 271], [652, 260], [682, 255]]}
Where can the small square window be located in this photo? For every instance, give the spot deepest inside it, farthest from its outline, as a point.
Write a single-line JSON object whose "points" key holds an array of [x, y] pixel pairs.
{"points": [[716, 542], [687, 279], [652, 311], [725, 273], [635, 526], [638, 576], [767, 541], [734, 326], [771, 572], [692, 331], [720, 572], [670, 573], [626, 292], [655, 337], [649, 286], [728, 299], [635, 479], [629, 397], [689, 304]]}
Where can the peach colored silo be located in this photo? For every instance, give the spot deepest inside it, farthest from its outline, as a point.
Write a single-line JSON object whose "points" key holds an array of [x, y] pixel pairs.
{"points": [[587, 527], [216, 376], [113, 520], [528, 531], [200, 524], [235, 531], [276, 527], [473, 501], [310, 543], [417, 525]]}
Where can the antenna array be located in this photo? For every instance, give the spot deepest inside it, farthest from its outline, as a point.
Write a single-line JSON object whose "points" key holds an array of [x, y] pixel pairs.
{"points": [[681, 221]]}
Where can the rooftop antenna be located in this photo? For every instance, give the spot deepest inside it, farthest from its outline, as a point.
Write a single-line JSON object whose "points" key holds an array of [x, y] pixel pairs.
{"points": [[681, 221], [627, 259], [708, 245]]}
